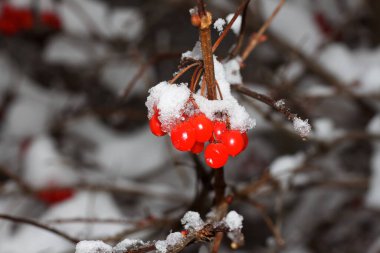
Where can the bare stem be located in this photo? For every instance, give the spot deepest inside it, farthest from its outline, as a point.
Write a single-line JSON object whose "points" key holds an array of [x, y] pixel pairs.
{"points": [[255, 38]]}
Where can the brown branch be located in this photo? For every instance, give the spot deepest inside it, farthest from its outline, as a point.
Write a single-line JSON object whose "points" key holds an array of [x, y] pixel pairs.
{"points": [[18, 180], [255, 38], [183, 71], [236, 48], [39, 225], [265, 99], [242, 8]]}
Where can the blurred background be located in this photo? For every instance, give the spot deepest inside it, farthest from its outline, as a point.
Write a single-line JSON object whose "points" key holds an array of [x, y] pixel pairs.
{"points": [[77, 155]]}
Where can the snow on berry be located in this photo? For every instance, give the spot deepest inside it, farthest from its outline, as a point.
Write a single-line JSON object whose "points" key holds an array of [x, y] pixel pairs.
{"points": [[192, 220], [234, 221], [92, 247], [170, 101]]}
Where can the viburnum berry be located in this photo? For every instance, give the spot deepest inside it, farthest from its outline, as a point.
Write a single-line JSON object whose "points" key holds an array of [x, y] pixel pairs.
{"points": [[183, 136], [24, 19], [51, 19], [54, 195], [234, 142], [203, 127], [216, 155], [7, 27], [155, 125], [219, 128], [197, 148]]}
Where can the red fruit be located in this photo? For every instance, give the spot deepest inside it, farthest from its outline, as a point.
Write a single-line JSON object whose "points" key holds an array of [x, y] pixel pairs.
{"points": [[8, 12], [24, 19], [155, 126], [245, 138], [183, 136], [7, 27], [216, 155], [203, 127], [51, 19], [55, 195], [234, 142], [219, 128], [198, 147]]}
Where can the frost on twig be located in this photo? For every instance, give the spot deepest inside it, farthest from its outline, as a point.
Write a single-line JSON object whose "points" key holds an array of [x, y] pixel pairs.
{"points": [[196, 230], [302, 127]]}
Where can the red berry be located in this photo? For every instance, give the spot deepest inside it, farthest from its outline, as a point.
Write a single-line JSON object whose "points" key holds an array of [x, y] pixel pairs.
{"points": [[24, 19], [216, 155], [234, 142], [55, 195], [155, 126], [51, 19], [203, 127], [198, 147], [219, 128], [245, 138], [183, 136], [7, 27]]}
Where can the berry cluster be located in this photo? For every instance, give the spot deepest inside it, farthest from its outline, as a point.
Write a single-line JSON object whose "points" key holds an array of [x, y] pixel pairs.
{"points": [[191, 134], [54, 195], [14, 20]]}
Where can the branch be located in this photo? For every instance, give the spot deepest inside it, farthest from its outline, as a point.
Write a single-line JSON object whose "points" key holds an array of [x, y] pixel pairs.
{"points": [[39, 225], [255, 38]]}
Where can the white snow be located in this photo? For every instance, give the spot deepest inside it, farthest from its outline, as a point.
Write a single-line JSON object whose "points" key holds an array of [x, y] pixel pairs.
{"points": [[170, 100], [45, 167], [325, 130], [195, 53], [302, 127], [293, 24], [68, 51], [192, 220], [126, 23], [237, 24], [234, 221], [161, 246], [373, 194], [218, 25], [127, 244], [174, 238], [93, 247], [232, 71], [283, 168]]}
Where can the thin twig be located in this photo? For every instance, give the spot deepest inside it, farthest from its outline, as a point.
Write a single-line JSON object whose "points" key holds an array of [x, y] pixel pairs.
{"points": [[39, 225], [183, 71], [242, 7], [255, 38]]}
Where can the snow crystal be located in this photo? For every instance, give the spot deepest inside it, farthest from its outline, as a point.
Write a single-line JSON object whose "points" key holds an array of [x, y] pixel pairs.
{"points": [[280, 103], [174, 238], [126, 244], [169, 99], [218, 25], [161, 246], [195, 53], [234, 221], [237, 24], [192, 220], [93, 247], [232, 71], [283, 167], [302, 127]]}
